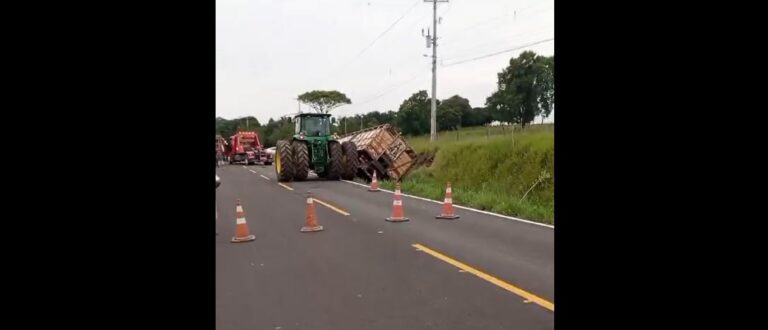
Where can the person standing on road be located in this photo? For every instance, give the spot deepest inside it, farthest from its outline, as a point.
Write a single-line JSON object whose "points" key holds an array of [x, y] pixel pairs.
{"points": [[218, 183]]}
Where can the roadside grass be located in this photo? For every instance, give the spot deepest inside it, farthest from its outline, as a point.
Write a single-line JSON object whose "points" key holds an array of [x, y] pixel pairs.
{"points": [[489, 171]]}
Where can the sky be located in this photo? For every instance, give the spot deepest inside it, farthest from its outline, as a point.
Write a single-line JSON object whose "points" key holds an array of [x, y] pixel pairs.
{"points": [[270, 51]]}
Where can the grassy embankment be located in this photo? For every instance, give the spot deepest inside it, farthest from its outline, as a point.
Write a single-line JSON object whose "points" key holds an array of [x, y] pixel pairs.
{"points": [[489, 170]]}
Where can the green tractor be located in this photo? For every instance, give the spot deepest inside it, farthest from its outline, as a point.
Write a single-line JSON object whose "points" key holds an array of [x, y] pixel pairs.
{"points": [[314, 148]]}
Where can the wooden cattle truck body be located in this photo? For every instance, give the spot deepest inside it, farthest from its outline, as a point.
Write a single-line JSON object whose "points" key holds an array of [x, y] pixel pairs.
{"points": [[382, 149]]}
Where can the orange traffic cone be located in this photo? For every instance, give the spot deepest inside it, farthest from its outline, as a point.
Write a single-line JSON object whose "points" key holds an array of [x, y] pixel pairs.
{"points": [[241, 228], [311, 224], [448, 205], [397, 207], [374, 183]]}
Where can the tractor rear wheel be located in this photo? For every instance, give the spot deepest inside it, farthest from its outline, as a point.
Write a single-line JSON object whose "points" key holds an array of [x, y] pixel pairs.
{"points": [[284, 161], [334, 163], [350, 160], [300, 160]]}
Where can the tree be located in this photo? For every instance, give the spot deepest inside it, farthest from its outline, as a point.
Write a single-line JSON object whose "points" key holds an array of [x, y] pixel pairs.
{"points": [[414, 114], [225, 127], [389, 117], [324, 101], [228, 127], [375, 118], [525, 89], [248, 123], [451, 112], [370, 119], [547, 98], [275, 130], [476, 117]]}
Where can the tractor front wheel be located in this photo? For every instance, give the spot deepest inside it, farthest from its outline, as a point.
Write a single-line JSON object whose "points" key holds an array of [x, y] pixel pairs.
{"points": [[284, 161]]}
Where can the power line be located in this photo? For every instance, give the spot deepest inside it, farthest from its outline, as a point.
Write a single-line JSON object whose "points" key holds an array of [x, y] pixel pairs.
{"points": [[372, 42], [469, 28], [506, 14], [419, 21], [499, 52], [393, 88], [490, 45], [460, 32], [387, 30]]}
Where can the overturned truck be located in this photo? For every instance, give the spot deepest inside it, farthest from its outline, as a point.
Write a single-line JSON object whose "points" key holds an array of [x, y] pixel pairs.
{"points": [[383, 150]]}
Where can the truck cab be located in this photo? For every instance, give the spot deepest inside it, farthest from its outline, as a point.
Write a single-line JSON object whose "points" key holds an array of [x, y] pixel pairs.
{"points": [[247, 148]]}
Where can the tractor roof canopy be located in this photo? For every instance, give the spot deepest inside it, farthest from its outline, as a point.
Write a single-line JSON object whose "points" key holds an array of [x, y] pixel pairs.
{"points": [[312, 114]]}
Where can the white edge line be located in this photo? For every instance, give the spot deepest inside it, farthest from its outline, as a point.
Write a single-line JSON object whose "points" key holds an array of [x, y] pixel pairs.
{"points": [[252, 171], [263, 176], [462, 207]]}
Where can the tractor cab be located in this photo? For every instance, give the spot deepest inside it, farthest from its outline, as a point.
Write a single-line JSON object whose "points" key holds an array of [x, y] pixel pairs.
{"points": [[313, 125]]}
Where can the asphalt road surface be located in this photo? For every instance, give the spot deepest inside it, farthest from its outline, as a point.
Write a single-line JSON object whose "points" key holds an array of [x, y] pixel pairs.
{"points": [[362, 272]]}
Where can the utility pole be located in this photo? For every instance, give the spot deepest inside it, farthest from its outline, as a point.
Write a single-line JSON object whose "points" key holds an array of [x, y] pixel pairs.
{"points": [[433, 120]]}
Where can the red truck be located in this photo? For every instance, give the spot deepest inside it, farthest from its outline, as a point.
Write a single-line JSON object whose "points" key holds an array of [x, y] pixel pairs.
{"points": [[247, 148]]}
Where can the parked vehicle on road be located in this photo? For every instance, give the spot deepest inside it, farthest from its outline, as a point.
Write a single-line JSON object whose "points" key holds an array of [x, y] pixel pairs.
{"points": [[312, 147], [247, 148]]}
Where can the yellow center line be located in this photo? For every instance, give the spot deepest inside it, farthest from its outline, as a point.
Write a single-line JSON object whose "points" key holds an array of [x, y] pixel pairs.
{"points": [[504, 285], [286, 187], [331, 206]]}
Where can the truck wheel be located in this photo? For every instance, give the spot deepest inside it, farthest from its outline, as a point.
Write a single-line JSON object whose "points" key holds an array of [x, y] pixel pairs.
{"points": [[350, 160], [300, 160], [284, 161], [335, 167]]}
